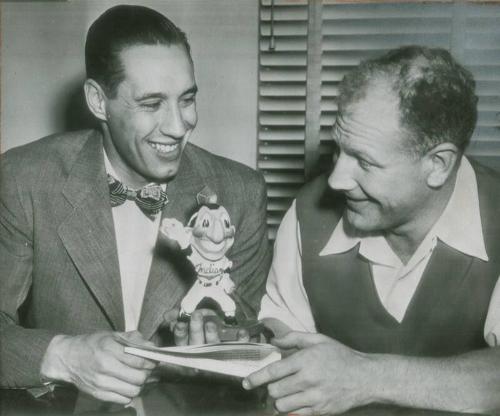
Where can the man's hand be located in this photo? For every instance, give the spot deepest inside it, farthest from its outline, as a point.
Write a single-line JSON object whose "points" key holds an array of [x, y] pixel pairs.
{"points": [[321, 376], [197, 331], [97, 365]]}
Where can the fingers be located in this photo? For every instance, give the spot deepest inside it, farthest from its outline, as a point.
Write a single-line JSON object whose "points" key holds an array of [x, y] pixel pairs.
{"points": [[97, 364], [299, 340], [120, 387], [285, 387], [173, 369], [128, 359], [181, 334], [109, 396], [128, 374], [272, 372], [211, 332], [197, 331], [170, 318], [278, 328], [196, 328], [295, 401], [305, 411], [243, 335]]}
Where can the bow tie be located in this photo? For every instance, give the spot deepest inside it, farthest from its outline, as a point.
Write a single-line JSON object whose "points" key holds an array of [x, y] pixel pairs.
{"points": [[151, 199]]}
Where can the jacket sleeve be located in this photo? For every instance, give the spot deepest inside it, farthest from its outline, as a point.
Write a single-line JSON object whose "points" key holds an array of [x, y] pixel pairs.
{"points": [[251, 253], [21, 349]]}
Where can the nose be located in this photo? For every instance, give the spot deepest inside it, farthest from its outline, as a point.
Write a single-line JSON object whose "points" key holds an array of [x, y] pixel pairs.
{"points": [[172, 123], [342, 177], [216, 233]]}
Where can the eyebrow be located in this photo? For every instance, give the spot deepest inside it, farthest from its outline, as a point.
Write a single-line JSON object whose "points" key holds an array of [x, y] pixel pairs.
{"points": [[160, 95]]}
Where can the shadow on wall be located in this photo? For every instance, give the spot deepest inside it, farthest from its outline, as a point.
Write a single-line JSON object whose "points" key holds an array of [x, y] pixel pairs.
{"points": [[74, 114]]}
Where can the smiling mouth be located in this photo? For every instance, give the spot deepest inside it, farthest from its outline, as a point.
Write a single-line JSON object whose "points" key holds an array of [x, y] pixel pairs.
{"points": [[164, 148], [211, 246]]}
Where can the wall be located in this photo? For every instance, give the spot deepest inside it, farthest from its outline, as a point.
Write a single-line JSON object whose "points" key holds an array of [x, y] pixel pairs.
{"points": [[43, 68]]}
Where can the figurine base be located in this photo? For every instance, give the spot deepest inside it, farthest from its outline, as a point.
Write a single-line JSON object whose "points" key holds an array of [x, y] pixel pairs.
{"points": [[230, 332]]}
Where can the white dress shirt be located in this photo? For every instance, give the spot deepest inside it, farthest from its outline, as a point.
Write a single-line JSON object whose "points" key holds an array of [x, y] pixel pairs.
{"points": [[459, 226], [136, 238]]}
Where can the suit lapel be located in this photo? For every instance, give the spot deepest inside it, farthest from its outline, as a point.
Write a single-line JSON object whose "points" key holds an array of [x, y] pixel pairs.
{"points": [[88, 231], [166, 286]]}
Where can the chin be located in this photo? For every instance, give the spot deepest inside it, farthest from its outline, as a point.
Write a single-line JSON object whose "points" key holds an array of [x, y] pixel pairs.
{"points": [[362, 223], [163, 176]]}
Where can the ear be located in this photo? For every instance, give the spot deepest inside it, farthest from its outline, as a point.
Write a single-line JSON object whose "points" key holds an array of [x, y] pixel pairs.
{"points": [[96, 99], [441, 161]]}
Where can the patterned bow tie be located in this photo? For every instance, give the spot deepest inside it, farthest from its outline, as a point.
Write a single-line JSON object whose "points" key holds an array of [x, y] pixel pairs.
{"points": [[151, 199]]}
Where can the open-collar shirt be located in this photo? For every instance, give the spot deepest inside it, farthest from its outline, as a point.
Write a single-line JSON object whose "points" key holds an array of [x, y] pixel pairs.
{"points": [[459, 227], [136, 236]]}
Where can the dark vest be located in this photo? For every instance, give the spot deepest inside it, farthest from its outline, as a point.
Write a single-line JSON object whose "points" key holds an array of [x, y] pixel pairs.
{"points": [[447, 313]]}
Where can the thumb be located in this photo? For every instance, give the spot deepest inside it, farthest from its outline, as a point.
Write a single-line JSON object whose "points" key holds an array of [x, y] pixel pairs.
{"points": [[298, 340], [170, 317]]}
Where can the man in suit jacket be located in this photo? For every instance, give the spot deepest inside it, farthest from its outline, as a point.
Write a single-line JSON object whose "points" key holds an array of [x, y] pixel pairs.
{"points": [[389, 266], [78, 266]]}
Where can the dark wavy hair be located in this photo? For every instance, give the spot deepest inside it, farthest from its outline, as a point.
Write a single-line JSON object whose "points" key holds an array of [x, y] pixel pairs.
{"points": [[121, 27], [436, 94]]}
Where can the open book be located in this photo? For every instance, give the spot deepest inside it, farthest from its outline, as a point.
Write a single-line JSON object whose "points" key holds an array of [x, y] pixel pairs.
{"points": [[237, 359]]}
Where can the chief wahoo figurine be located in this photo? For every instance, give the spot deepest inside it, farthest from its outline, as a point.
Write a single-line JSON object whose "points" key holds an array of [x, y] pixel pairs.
{"points": [[205, 241]]}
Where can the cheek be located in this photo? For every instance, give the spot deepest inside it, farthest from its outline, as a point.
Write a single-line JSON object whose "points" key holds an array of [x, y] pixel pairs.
{"points": [[198, 232], [131, 127], [143, 124], [190, 116]]}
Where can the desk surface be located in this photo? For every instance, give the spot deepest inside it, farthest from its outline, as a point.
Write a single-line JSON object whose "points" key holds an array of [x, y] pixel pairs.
{"points": [[190, 398]]}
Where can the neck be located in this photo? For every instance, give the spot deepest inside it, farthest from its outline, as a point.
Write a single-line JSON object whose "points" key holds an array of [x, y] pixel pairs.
{"points": [[125, 174], [406, 239]]}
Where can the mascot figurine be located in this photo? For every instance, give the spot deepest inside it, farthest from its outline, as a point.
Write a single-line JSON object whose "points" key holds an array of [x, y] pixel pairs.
{"points": [[205, 242]]}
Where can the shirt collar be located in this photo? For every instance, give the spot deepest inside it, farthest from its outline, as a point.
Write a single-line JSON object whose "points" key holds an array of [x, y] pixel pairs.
{"points": [[459, 226]]}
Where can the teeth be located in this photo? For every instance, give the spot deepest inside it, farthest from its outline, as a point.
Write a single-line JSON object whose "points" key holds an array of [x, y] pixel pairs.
{"points": [[164, 148]]}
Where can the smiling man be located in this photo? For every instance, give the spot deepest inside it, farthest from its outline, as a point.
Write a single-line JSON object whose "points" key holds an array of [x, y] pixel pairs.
{"points": [[80, 213], [385, 272]]}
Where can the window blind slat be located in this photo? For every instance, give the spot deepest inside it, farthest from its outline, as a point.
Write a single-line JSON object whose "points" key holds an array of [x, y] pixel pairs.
{"points": [[279, 119], [282, 104], [386, 11], [289, 89], [284, 59], [285, 43], [284, 13], [284, 28], [282, 177], [382, 42], [283, 74], [286, 3], [366, 26], [287, 164], [288, 134]]}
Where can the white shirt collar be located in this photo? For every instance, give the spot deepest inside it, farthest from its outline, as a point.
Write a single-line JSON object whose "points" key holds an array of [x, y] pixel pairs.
{"points": [[459, 226]]}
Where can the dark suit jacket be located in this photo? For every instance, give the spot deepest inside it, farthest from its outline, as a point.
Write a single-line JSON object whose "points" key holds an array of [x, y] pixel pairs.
{"points": [[59, 269]]}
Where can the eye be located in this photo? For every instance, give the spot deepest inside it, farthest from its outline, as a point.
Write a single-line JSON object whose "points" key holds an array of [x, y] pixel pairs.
{"points": [[364, 164], [205, 223], [226, 223], [187, 101], [152, 106]]}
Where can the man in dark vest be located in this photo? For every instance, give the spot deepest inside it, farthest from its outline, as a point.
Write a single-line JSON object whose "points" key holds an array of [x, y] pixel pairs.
{"points": [[388, 267]]}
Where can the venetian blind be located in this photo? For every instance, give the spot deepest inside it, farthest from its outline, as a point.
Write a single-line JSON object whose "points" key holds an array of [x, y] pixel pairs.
{"points": [[291, 149]]}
